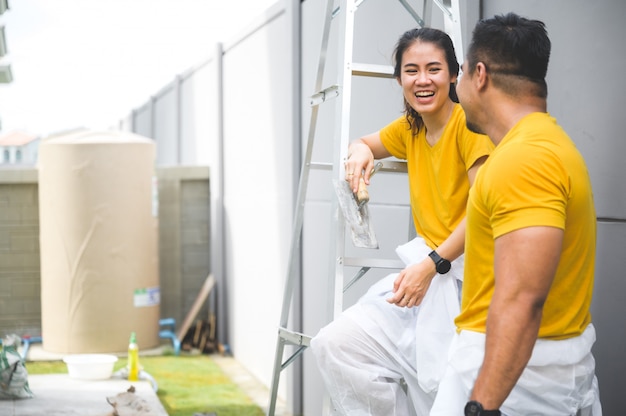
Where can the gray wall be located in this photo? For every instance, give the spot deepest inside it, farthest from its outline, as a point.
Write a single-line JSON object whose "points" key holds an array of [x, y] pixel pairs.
{"points": [[587, 99]]}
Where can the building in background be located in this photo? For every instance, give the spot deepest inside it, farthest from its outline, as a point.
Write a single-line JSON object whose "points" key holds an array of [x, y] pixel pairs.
{"points": [[18, 148]]}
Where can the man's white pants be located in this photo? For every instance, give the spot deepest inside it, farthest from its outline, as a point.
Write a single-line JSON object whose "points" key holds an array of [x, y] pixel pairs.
{"points": [[559, 379], [380, 359]]}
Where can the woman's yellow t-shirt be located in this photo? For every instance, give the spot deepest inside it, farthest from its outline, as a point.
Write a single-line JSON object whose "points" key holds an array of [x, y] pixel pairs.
{"points": [[438, 181]]}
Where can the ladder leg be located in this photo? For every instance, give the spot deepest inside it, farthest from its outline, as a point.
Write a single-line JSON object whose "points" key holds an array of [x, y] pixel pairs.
{"points": [[280, 348], [294, 254]]}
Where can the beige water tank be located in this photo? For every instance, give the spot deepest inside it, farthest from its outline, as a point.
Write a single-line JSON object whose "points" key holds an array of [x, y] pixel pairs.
{"points": [[99, 242]]}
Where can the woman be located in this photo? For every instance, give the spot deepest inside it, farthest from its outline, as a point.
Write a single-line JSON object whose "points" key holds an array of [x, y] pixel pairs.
{"points": [[395, 334]]}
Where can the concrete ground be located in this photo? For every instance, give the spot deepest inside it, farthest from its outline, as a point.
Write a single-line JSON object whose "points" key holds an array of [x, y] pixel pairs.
{"points": [[257, 391], [60, 395]]}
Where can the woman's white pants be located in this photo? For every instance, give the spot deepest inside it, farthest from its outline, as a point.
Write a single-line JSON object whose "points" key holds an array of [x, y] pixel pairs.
{"points": [[371, 355]]}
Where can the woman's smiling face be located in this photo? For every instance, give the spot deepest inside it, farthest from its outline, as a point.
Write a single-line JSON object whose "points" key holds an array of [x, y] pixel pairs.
{"points": [[425, 77]]}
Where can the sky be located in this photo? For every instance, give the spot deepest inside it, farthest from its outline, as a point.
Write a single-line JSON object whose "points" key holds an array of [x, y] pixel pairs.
{"points": [[89, 63]]}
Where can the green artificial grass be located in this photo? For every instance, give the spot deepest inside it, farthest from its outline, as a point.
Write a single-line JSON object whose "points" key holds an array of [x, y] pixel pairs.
{"points": [[187, 385]]}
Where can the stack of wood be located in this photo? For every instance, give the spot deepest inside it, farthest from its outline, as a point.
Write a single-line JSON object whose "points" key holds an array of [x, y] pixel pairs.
{"points": [[201, 337]]}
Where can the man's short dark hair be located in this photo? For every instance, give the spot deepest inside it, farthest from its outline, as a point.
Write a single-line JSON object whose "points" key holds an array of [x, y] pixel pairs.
{"points": [[515, 51]]}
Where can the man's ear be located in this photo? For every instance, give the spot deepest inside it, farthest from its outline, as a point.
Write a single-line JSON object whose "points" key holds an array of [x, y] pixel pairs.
{"points": [[481, 77]]}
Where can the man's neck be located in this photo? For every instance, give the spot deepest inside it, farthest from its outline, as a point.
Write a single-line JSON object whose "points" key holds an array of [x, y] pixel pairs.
{"points": [[508, 111]]}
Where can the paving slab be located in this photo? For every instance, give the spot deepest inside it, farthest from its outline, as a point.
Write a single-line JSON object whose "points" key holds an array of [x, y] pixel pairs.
{"points": [[61, 395]]}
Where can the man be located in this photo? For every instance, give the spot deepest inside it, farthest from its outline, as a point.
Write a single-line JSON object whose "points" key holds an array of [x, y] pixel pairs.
{"points": [[524, 334]]}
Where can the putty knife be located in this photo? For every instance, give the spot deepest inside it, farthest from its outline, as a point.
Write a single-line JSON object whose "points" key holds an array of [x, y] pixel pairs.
{"points": [[355, 210]]}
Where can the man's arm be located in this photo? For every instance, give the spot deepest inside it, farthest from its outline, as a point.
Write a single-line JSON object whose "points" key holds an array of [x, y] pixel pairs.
{"points": [[525, 264]]}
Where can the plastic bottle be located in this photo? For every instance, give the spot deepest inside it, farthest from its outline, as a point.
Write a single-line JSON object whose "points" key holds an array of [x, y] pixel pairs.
{"points": [[133, 358]]}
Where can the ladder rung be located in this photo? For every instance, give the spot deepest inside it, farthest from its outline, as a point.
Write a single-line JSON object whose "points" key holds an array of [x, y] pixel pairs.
{"points": [[388, 166], [321, 165], [394, 166], [293, 337], [376, 263], [372, 70], [325, 94]]}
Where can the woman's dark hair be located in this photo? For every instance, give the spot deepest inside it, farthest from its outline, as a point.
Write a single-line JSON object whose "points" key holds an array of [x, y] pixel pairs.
{"points": [[443, 42]]}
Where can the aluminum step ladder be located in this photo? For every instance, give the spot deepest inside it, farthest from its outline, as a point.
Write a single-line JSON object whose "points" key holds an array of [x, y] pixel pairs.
{"points": [[344, 15]]}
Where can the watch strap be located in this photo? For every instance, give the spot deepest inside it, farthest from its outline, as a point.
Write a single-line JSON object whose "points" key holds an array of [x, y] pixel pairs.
{"points": [[474, 408], [441, 265]]}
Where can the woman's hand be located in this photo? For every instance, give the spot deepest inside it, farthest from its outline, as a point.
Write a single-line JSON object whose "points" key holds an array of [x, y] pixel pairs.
{"points": [[360, 162], [412, 283]]}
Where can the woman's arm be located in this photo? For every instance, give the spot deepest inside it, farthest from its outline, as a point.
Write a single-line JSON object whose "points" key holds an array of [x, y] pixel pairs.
{"points": [[361, 155], [412, 283]]}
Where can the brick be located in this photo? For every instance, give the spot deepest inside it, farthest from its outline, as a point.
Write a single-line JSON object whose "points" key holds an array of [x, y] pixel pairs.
{"points": [[25, 239], [25, 289]]}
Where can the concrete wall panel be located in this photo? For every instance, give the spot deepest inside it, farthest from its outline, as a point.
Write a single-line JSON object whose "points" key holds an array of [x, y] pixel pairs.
{"points": [[166, 115], [259, 185]]}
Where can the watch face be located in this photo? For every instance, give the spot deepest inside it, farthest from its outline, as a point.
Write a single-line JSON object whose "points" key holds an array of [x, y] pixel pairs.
{"points": [[443, 266], [473, 408]]}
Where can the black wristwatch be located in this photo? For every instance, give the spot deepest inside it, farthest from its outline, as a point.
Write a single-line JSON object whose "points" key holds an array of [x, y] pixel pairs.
{"points": [[441, 265], [474, 408]]}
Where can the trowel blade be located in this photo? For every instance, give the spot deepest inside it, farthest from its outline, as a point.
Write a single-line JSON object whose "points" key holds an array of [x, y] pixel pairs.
{"points": [[362, 231]]}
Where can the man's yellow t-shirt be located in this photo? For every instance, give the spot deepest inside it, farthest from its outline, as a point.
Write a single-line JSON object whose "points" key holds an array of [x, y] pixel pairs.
{"points": [[437, 174], [534, 177]]}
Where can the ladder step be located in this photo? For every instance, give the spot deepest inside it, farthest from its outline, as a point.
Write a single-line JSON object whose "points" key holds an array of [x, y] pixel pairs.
{"points": [[294, 338], [390, 166], [362, 70], [398, 166], [321, 165], [375, 263], [372, 70]]}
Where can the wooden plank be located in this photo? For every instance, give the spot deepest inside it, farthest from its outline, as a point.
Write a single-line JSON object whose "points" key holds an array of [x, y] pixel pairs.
{"points": [[209, 282]]}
